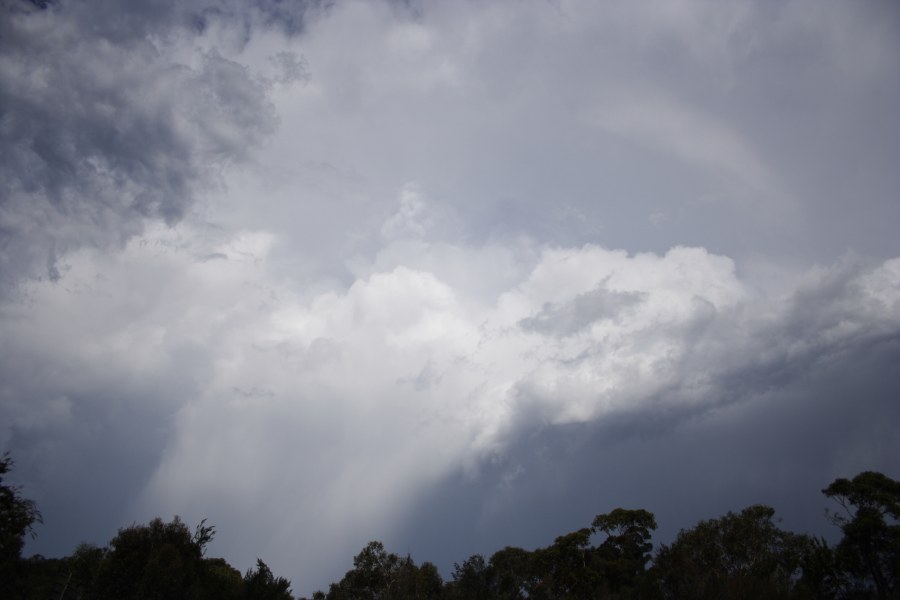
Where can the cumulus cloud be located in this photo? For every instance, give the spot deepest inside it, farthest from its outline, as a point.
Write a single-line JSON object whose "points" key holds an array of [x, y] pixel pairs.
{"points": [[330, 415], [322, 292]]}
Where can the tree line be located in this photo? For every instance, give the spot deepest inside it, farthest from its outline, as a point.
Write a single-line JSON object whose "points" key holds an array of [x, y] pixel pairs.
{"points": [[739, 555]]}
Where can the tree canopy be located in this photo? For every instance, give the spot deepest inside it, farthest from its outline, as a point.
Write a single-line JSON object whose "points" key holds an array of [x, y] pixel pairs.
{"points": [[741, 554], [18, 516], [869, 553]]}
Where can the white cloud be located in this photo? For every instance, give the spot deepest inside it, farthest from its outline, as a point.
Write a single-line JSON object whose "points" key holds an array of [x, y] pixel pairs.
{"points": [[410, 220], [328, 415], [312, 341]]}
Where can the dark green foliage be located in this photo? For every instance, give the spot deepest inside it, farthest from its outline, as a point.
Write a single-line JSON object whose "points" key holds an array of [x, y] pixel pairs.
{"points": [[17, 518], [165, 561], [624, 555], [417, 583], [821, 577], [511, 574], [379, 575], [82, 569], [737, 556], [203, 535], [149, 562], [566, 569], [370, 577], [571, 567], [41, 577], [219, 580], [261, 584], [470, 580], [868, 556], [58, 578]]}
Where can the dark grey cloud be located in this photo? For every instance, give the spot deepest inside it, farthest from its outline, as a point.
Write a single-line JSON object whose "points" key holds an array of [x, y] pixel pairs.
{"points": [[580, 312], [112, 20], [103, 125]]}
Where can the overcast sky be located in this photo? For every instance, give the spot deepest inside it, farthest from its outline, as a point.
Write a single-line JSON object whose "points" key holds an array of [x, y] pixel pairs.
{"points": [[450, 275]]}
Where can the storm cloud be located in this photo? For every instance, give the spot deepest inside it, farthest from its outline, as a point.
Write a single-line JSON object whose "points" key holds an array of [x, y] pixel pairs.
{"points": [[449, 275], [107, 121]]}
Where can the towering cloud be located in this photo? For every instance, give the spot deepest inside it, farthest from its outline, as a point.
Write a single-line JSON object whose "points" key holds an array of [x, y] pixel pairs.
{"points": [[325, 273]]}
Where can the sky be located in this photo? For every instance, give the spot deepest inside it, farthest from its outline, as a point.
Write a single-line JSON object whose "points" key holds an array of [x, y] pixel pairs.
{"points": [[449, 275]]}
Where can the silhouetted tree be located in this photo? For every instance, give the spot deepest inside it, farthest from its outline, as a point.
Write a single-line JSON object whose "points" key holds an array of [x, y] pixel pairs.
{"points": [[261, 584], [624, 554], [737, 556], [565, 569], [744, 555], [147, 562], [470, 580], [869, 553], [18, 516], [511, 574], [413, 582], [219, 581], [380, 575]]}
